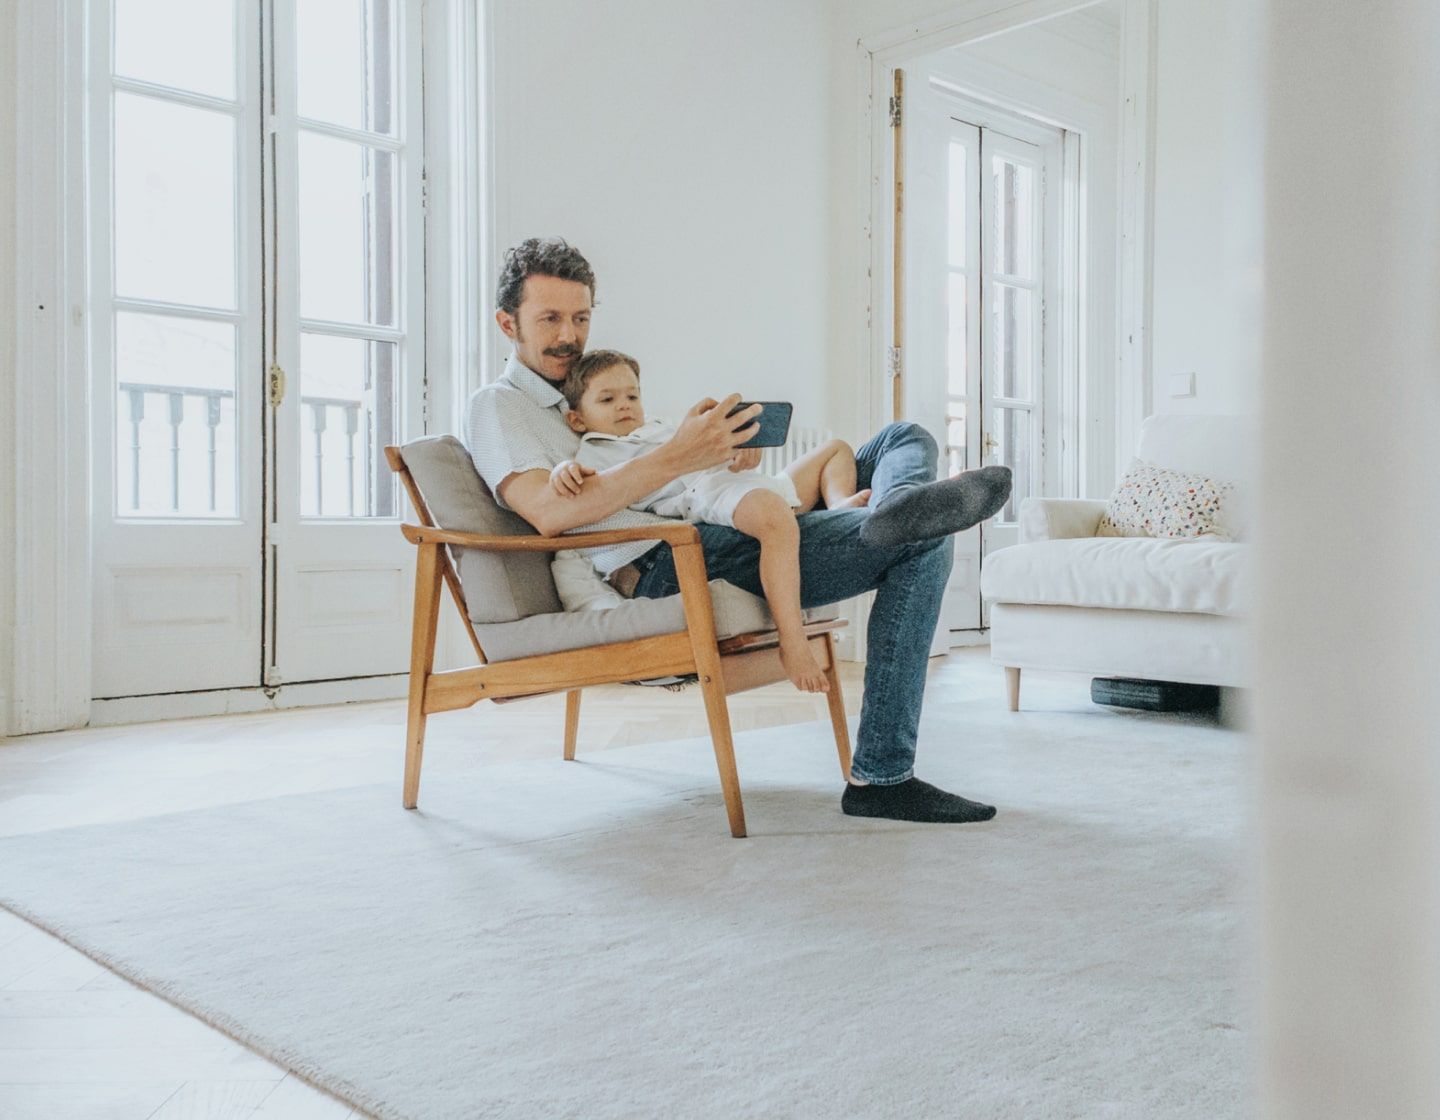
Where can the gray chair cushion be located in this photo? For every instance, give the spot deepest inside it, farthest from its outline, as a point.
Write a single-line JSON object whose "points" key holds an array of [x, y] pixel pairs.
{"points": [[499, 586], [736, 612]]}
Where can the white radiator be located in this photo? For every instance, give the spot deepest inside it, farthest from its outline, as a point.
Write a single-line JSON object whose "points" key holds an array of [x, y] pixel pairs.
{"points": [[802, 441]]}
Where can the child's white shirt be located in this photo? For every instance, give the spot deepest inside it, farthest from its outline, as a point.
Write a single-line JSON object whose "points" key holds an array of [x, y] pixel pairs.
{"points": [[710, 495]]}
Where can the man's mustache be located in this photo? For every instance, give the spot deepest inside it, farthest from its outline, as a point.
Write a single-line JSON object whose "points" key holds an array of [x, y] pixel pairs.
{"points": [[563, 352]]}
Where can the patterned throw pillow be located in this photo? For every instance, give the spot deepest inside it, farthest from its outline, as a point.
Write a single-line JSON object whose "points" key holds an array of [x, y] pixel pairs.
{"points": [[1152, 501]]}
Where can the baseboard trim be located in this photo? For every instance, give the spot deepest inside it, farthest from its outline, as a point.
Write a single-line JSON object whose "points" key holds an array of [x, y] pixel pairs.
{"points": [[238, 701]]}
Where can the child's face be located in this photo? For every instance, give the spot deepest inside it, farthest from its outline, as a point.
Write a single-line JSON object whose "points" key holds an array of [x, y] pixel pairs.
{"points": [[611, 403]]}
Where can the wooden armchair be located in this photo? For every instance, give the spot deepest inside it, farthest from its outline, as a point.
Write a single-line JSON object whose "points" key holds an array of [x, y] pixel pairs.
{"points": [[642, 639]]}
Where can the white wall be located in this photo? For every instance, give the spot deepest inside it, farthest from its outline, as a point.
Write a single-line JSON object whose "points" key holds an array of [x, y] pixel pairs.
{"points": [[1208, 204], [683, 149], [8, 38], [1071, 54], [1348, 827]]}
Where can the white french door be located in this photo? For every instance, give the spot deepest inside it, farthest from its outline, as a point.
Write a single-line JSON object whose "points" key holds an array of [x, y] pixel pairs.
{"points": [[348, 312], [257, 338], [981, 266]]}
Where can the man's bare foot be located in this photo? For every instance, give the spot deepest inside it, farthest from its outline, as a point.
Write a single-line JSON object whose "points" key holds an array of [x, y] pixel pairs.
{"points": [[802, 668], [856, 500]]}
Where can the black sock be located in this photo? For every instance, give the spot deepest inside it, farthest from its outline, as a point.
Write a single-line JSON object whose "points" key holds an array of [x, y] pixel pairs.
{"points": [[912, 800]]}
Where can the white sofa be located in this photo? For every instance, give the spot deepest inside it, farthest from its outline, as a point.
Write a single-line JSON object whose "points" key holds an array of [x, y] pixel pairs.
{"points": [[1156, 609]]}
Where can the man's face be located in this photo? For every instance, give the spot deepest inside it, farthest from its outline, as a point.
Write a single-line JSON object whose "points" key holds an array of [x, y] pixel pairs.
{"points": [[550, 326]]}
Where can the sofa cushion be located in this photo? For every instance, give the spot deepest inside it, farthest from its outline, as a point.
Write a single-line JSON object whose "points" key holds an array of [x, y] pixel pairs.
{"points": [[736, 612], [1201, 575], [1155, 501], [1222, 447]]}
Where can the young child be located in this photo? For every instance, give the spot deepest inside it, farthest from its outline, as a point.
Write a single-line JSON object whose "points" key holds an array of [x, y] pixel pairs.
{"points": [[603, 392]]}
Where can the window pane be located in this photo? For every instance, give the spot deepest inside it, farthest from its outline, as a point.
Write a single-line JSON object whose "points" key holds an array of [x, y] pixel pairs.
{"points": [[347, 231], [955, 437], [959, 206], [346, 60], [1012, 352], [957, 348], [174, 202], [1010, 429], [188, 44], [349, 411], [175, 417], [1013, 187]]}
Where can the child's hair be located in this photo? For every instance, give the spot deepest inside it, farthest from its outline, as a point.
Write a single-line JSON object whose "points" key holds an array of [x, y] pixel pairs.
{"points": [[587, 366]]}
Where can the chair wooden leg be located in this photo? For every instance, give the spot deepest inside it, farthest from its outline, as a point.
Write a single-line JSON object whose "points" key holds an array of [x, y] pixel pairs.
{"points": [[422, 661], [836, 700], [700, 621], [1012, 686], [717, 711], [572, 722]]}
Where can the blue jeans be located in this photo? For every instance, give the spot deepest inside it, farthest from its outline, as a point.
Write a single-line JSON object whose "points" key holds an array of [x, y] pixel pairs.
{"points": [[836, 564]]}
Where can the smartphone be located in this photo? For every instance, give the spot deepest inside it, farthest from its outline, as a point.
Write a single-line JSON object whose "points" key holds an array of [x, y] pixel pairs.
{"points": [[774, 421]]}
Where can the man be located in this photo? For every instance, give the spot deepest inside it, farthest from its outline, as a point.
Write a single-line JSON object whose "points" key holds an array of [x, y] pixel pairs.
{"points": [[900, 547]]}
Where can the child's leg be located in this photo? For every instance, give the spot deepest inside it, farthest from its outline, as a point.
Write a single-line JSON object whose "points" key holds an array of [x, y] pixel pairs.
{"points": [[764, 515], [828, 472]]}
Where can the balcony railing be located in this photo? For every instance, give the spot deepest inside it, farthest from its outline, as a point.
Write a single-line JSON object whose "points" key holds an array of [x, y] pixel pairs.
{"points": [[135, 393], [363, 496], [319, 410]]}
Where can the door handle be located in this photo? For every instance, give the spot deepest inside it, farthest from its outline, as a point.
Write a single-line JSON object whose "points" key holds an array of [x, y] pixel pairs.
{"points": [[988, 446]]}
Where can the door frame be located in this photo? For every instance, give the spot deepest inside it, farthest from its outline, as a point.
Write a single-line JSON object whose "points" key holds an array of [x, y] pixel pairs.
{"points": [[48, 687], [878, 57]]}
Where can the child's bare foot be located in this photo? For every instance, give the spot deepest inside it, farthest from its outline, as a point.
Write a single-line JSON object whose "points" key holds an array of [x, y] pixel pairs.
{"points": [[802, 668], [855, 501]]}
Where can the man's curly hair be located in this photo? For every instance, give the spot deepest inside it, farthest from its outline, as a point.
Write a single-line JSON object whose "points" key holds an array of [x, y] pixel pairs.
{"points": [[540, 256]]}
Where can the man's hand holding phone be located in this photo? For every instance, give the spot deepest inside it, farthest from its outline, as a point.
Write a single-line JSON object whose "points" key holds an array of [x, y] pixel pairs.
{"points": [[709, 434]]}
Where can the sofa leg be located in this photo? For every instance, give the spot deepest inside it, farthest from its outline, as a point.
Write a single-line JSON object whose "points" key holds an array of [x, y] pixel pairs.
{"points": [[1012, 686]]}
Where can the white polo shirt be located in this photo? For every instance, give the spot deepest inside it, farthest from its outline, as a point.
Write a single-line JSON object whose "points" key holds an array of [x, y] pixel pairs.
{"points": [[517, 423]]}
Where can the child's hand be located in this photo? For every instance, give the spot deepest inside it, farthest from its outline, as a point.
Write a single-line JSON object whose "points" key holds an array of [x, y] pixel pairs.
{"points": [[567, 478], [746, 459]]}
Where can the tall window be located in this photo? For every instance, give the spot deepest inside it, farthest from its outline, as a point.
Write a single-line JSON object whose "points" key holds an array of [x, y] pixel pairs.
{"points": [[186, 182], [348, 144], [177, 297]]}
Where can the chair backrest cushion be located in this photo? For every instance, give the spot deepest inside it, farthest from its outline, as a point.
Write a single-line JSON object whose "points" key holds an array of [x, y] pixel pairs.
{"points": [[499, 586]]}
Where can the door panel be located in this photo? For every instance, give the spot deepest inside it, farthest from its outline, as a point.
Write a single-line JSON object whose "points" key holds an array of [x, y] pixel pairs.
{"points": [[977, 219], [176, 353], [942, 344], [1020, 216], [350, 237]]}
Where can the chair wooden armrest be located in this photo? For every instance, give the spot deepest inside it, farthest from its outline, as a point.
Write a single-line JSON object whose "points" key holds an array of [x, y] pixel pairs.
{"points": [[676, 533]]}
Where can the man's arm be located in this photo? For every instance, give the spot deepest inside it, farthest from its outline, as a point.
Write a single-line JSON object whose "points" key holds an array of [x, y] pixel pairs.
{"points": [[705, 438]]}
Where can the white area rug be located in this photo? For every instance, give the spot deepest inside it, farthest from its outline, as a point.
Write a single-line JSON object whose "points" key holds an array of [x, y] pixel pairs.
{"points": [[585, 940]]}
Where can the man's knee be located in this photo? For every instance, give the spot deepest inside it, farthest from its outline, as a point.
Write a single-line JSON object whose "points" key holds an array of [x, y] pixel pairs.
{"points": [[916, 434]]}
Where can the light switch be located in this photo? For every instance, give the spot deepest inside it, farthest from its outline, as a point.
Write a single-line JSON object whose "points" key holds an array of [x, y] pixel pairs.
{"points": [[1182, 384]]}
